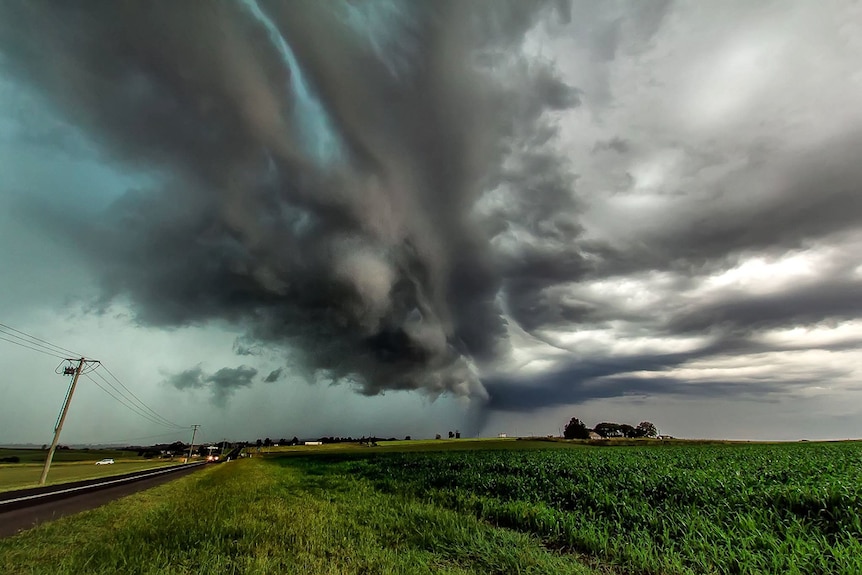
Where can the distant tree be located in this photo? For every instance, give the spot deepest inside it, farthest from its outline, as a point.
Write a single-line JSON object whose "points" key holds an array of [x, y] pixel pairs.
{"points": [[451, 435], [457, 434], [437, 436], [259, 443], [267, 442], [44, 446], [646, 429], [406, 438], [607, 429], [576, 429], [628, 431], [282, 441], [294, 441]]}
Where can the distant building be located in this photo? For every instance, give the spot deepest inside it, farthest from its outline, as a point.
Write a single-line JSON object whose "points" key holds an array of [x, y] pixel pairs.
{"points": [[313, 443], [594, 435], [501, 435]]}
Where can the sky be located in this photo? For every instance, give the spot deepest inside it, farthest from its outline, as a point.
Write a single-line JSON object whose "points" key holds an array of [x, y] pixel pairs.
{"points": [[405, 218]]}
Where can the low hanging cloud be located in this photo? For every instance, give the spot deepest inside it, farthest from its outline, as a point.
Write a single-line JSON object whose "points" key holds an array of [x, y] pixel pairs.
{"points": [[222, 384]]}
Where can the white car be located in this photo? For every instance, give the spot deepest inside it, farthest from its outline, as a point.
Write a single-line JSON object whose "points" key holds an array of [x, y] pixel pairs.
{"points": [[108, 461]]}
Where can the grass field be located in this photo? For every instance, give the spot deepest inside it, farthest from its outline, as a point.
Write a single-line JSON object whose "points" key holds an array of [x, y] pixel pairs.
{"points": [[20, 476], [499, 507], [257, 516], [38, 455]]}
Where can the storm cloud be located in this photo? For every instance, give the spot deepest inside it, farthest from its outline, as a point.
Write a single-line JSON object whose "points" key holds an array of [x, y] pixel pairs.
{"points": [[318, 193], [223, 383], [525, 203]]}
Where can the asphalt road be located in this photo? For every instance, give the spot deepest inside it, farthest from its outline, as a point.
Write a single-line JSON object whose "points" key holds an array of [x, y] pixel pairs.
{"points": [[14, 520]]}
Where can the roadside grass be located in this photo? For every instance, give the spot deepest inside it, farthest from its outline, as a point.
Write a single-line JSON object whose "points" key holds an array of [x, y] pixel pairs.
{"points": [[22, 476], [38, 455], [255, 516]]}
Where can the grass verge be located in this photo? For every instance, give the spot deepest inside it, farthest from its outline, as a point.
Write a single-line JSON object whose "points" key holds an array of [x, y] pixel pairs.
{"points": [[21, 476], [255, 516]]}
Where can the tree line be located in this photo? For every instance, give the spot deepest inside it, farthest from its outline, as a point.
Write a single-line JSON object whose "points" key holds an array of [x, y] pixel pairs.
{"points": [[577, 429]]}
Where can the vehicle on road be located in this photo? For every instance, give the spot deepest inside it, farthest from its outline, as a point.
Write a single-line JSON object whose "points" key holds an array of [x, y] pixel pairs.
{"points": [[107, 461]]}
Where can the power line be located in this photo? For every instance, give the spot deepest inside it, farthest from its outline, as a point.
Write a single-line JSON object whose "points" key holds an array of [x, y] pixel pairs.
{"points": [[128, 406], [117, 441], [131, 406], [28, 347], [124, 402], [148, 408], [33, 337]]}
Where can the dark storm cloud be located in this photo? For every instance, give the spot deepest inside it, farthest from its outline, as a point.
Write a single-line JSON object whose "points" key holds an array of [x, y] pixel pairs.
{"points": [[317, 192], [601, 378], [383, 189], [223, 383], [806, 305], [274, 375]]}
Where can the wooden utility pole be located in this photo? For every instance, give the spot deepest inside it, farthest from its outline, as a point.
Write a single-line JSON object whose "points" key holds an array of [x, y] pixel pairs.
{"points": [[192, 445], [62, 418]]}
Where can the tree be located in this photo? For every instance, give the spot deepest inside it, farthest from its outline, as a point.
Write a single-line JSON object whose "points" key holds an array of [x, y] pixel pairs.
{"points": [[267, 442], [628, 431], [646, 429], [576, 429], [451, 435], [607, 429]]}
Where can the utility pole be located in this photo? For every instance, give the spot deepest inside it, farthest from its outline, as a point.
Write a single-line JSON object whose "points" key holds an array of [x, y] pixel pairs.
{"points": [[192, 445], [68, 371]]}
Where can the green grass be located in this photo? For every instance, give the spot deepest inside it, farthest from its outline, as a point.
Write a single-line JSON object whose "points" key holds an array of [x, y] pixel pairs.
{"points": [[38, 455], [20, 476], [256, 516], [674, 509], [481, 507]]}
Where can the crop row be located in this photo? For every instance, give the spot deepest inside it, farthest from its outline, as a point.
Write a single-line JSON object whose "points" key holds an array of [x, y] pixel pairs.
{"points": [[793, 508]]}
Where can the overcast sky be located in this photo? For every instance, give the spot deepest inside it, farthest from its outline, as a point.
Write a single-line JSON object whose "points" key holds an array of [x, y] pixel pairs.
{"points": [[405, 218]]}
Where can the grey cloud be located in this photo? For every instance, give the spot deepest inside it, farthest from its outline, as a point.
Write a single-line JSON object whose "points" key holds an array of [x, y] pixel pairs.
{"points": [[274, 375], [222, 384], [324, 206], [602, 378], [388, 206], [805, 305]]}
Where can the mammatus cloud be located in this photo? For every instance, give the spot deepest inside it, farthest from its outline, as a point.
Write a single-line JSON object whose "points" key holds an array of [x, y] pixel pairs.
{"points": [[533, 203], [223, 383]]}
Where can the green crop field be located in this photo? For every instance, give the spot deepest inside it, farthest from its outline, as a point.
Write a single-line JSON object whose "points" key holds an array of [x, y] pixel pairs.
{"points": [[505, 507], [38, 455], [68, 465], [21, 476]]}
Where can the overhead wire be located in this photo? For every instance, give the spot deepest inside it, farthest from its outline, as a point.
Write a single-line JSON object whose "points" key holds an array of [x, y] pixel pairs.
{"points": [[127, 405], [127, 397], [45, 343], [138, 399], [29, 347], [119, 441]]}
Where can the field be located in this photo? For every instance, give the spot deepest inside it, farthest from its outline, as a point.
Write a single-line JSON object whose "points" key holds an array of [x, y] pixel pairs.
{"points": [[38, 455], [498, 507], [68, 465]]}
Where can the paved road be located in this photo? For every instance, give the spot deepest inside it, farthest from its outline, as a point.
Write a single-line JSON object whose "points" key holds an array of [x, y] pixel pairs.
{"points": [[18, 519]]}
